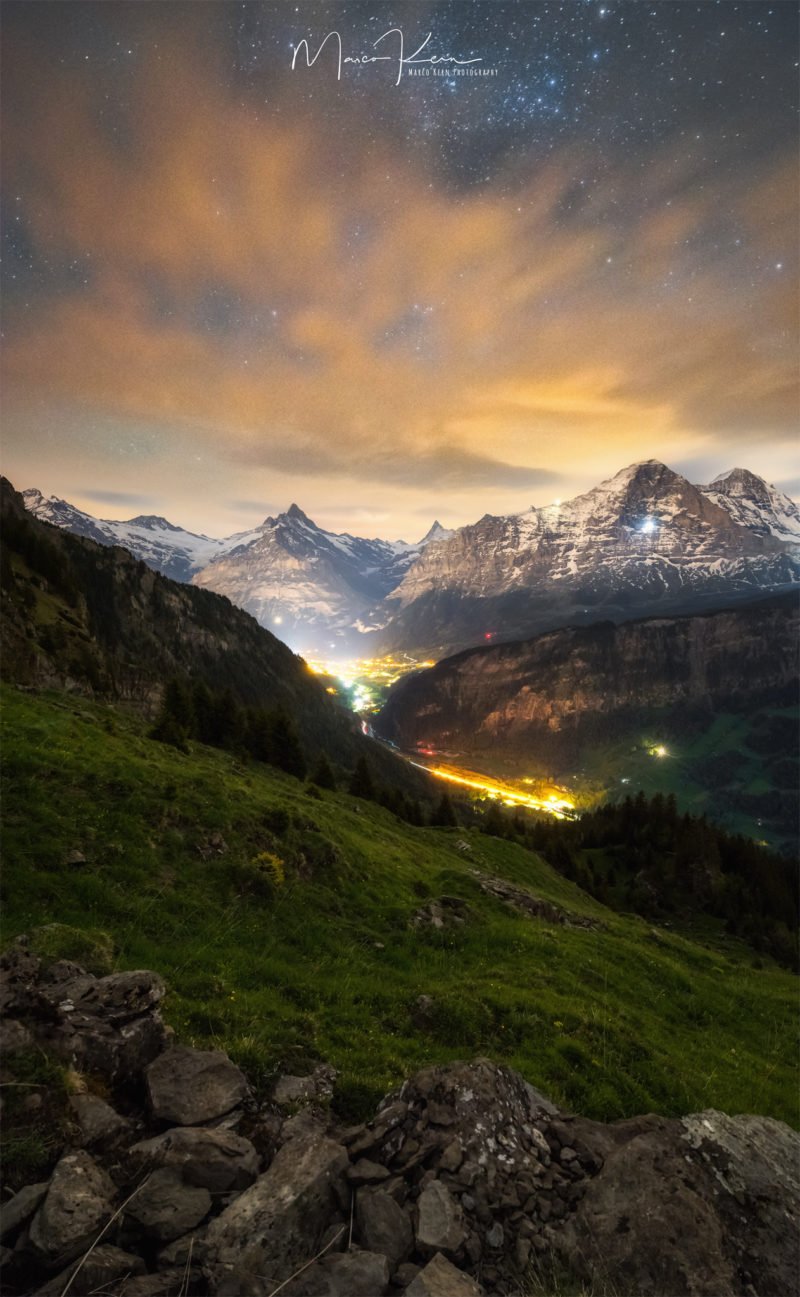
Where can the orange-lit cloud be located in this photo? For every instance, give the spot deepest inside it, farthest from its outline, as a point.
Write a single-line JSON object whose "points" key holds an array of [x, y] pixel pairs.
{"points": [[374, 327]]}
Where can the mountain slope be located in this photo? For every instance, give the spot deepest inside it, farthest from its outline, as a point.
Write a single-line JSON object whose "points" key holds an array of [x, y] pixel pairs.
{"points": [[309, 582], [752, 503], [168, 549], [643, 541], [611, 1019], [96, 620], [550, 705]]}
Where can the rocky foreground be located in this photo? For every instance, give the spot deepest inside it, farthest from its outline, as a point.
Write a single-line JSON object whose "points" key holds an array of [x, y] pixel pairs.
{"points": [[173, 1180]]}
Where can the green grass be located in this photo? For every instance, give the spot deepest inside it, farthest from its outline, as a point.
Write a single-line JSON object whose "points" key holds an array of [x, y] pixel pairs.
{"points": [[609, 1021]]}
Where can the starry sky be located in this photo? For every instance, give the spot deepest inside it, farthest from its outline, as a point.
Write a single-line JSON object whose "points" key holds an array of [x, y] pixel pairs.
{"points": [[230, 284]]}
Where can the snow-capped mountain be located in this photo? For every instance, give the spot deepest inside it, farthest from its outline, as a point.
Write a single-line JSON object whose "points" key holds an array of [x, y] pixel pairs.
{"points": [[646, 540], [307, 583], [159, 543], [752, 503]]}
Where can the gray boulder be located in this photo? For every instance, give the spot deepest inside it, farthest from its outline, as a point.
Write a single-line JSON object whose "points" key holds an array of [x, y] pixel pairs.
{"points": [[99, 1124], [15, 1211], [210, 1158], [383, 1226], [440, 1221], [342, 1274], [191, 1086], [78, 1203], [706, 1206], [440, 1278], [166, 1208], [106, 1265], [279, 1222]]}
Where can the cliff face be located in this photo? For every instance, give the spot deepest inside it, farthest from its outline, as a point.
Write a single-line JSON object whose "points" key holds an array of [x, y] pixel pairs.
{"points": [[569, 684]]}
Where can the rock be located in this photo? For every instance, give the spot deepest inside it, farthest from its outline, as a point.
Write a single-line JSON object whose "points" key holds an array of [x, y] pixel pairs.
{"points": [[356, 1274], [166, 1208], [99, 1124], [207, 1157], [440, 1221], [190, 1086], [15, 1211], [108, 1025], [189, 1248], [78, 1203], [14, 1038], [690, 1207], [296, 1091], [106, 1265], [167, 1283], [366, 1172], [495, 1236], [278, 1223], [440, 1278], [383, 1226], [75, 857]]}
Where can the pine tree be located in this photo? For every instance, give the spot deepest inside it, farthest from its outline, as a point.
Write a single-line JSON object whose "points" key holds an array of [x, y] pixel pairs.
{"points": [[494, 822], [323, 775], [361, 784], [444, 815], [286, 752]]}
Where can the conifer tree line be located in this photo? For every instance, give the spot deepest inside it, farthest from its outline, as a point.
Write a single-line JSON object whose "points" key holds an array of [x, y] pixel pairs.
{"points": [[642, 854], [193, 711]]}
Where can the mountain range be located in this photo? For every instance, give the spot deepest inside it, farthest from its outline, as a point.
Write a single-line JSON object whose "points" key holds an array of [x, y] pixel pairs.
{"points": [[645, 541]]}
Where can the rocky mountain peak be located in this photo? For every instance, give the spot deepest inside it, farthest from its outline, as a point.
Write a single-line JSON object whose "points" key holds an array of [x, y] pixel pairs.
{"points": [[740, 481], [295, 513]]}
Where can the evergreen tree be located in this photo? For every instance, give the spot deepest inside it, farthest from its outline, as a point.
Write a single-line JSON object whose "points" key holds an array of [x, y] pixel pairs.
{"points": [[444, 815], [494, 822], [286, 751], [323, 775], [361, 784]]}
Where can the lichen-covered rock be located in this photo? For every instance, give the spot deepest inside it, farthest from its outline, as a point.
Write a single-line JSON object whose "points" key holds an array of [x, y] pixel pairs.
{"points": [[706, 1206], [78, 1203], [190, 1086], [210, 1158], [279, 1222]]}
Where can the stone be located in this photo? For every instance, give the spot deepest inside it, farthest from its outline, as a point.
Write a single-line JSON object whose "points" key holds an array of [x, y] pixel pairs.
{"points": [[689, 1205], [98, 1123], [356, 1274], [383, 1226], [366, 1172], [17, 1210], [167, 1283], [14, 1037], [440, 1221], [440, 1278], [79, 1201], [189, 1086], [278, 1223], [495, 1236], [207, 1157], [105, 1265], [75, 857], [296, 1091], [166, 1208]]}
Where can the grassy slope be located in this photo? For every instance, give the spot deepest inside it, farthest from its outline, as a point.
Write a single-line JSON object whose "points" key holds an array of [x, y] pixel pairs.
{"points": [[610, 1021]]}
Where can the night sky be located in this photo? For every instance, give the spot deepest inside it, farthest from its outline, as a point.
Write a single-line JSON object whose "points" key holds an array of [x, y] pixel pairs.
{"points": [[230, 285]]}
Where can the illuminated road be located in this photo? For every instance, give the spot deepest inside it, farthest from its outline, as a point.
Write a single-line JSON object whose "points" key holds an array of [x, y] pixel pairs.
{"points": [[363, 685]]}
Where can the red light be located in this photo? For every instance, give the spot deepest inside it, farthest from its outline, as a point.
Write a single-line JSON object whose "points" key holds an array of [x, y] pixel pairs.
{"points": [[489, 634]]}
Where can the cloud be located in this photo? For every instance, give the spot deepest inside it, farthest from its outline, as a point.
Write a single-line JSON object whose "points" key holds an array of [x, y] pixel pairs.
{"points": [[341, 315], [119, 498]]}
